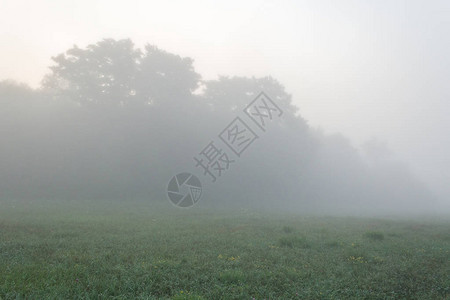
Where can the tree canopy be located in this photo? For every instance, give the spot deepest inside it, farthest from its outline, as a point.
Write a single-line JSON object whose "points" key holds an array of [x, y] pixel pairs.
{"points": [[114, 121]]}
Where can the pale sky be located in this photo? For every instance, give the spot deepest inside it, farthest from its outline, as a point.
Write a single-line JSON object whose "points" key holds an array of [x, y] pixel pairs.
{"points": [[377, 68]]}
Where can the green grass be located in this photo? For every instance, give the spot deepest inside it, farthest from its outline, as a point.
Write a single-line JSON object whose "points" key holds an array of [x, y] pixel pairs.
{"points": [[124, 250], [374, 235], [293, 241]]}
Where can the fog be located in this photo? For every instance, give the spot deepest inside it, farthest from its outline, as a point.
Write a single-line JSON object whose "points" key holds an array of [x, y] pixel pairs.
{"points": [[109, 101]]}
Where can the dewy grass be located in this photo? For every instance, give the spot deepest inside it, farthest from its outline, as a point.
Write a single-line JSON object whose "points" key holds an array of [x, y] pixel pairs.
{"points": [[139, 250], [374, 235], [293, 241], [288, 229]]}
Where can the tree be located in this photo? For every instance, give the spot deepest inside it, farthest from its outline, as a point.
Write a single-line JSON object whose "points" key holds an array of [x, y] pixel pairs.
{"points": [[101, 73], [124, 121], [164, 78], [115, 72], [230, 94]]}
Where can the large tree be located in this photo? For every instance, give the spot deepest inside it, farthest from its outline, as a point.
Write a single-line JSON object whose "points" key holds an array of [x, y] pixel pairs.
{"points": [[115, 72]]}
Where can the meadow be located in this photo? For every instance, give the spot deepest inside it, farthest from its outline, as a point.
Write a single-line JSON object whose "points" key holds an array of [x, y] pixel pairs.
{"points": [[139, 250]]}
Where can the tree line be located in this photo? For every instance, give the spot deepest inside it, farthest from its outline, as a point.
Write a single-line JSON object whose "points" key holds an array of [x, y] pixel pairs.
{"points": [[114, 121]]}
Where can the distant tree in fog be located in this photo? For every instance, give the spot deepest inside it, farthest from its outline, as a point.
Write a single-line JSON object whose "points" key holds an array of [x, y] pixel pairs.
{"points": [[114, 121], [115, 73]]}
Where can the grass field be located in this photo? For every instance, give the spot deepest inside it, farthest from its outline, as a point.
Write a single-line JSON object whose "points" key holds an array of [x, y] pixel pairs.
{"points": [[51, 249]]}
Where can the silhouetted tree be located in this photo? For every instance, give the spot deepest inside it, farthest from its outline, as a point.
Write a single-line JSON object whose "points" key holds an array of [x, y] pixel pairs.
{"points": [[114, 72], [113, 121]]}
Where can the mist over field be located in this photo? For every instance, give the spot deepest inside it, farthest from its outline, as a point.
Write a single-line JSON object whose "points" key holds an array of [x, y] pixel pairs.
{"points": [[224, 150], [112, 112], [112, 121]]}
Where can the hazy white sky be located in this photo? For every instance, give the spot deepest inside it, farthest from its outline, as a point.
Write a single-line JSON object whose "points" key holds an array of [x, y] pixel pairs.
{"points": [[377, 68]]}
